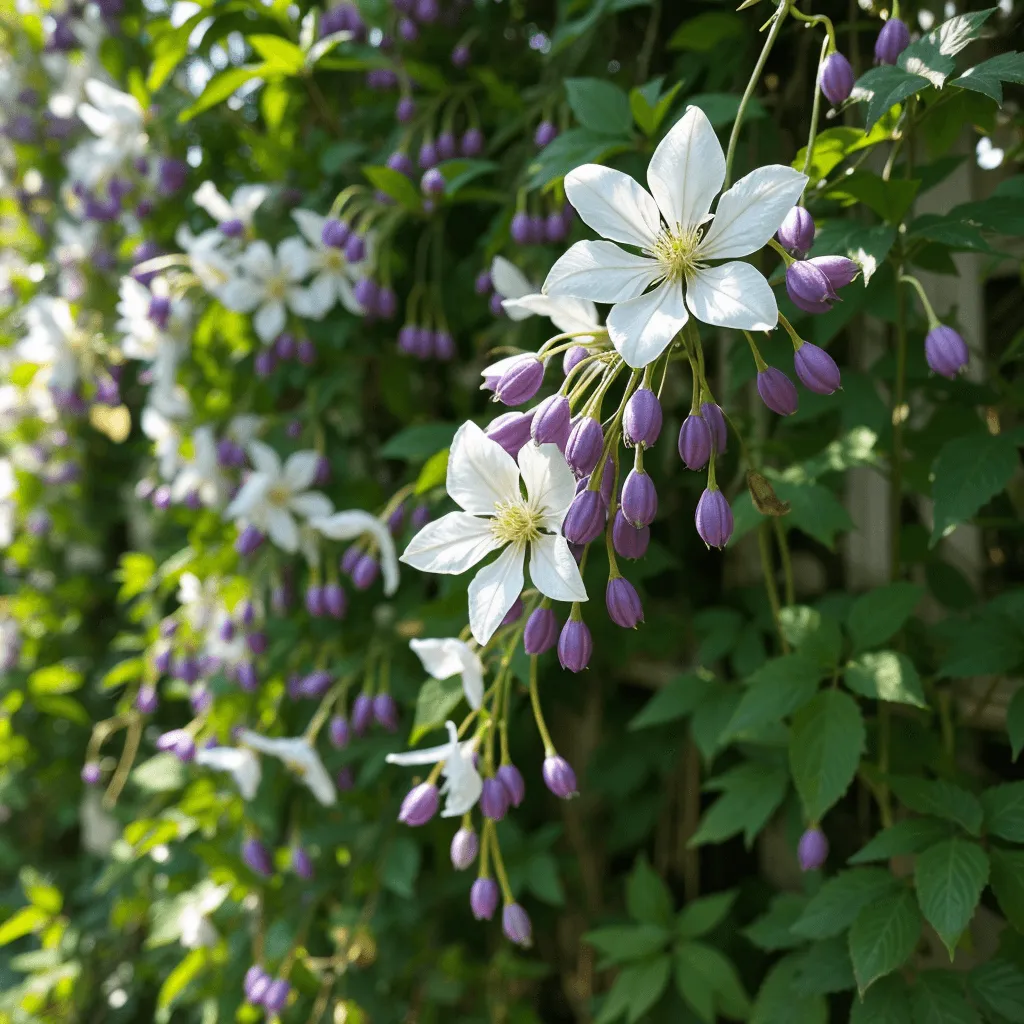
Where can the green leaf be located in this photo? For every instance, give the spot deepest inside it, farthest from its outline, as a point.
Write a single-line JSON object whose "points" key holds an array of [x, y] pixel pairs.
{"points": [[910, 836], [1007, 881], [825, 747], [699, 916], [599, 105], [395, 184], [434, 705], [1004, 811], [885, 675], [219, 88], [883, 936], [123, 672], [650, 112], [834, 145], [950, 231], [812, 634], [941, 799], [814, 509], [433, 473], [571, 149], [672, 702], [135, 573], [999, 214], [459, 173], [825, 968], [751, 795], [881, 613], [163, 773], [773, 930], [949, 878], [701, 969], [1015, 723], [953, 35], [780, 687], [625, 943], [647, 897], [924, 58], [63, 707], [178, 980], [54, 679], [886, 1002], [833, 908], [399, 867], [419, 442], [706, 32], [710, 719], [938, 998], [21, 923], [636, 990], [780, 1002], [39, 892], [282, 56], [889, 199], [986, 644], [884, 87], [999, 986], [988, 76]]}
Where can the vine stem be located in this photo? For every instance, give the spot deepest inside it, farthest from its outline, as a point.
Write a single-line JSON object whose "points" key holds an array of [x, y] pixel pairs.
{"points": [[773, 33], [764, 545], [816, 107], [545, 736]]}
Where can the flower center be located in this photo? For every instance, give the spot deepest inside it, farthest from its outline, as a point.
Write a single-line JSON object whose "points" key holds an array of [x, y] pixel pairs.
{"points": [[515, 522], [676, 251], [279, 496], [334, 261], [277, 287]]}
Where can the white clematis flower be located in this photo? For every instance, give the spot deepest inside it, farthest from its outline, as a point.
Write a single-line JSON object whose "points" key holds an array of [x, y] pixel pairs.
{"points": [[53, 341], [201, 475], [522, 299], [301, 757], [333, 276], [484, 481], [242, 764], [273, 494], [247, 199], [353, 523], [194, 925], [213, 266], [669, 227], [463, 785], [450, 657]]}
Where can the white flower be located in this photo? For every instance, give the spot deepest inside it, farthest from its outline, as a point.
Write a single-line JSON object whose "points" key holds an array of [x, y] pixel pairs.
{"points": [[670, 228], [270, 285], [523, 299], [463, 784], [116, 119], [353, 523], [76, 241], [201, 475], [143, 335], [198, 598], [449, 657], [273, 493], [239, 762], [246, 200], [52, 340], [214, 268], [333, 276], [8, 489], [98, 828], [194, 926], [165, 394], [166, 437], [301, 757], [483, 479]]}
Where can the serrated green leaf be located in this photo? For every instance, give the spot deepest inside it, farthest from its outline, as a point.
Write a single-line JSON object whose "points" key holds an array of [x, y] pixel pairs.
{"points": [[1015, 723], [599, 105], [884, 87], [937, 997], [674, 701], [998, 986], [882, 937], [954, 34], [968, 472], [825, 968], [1007, 881], [811, 634], [699, 916], [700, 968], [779, 1002], [988, 76], [941, 799], [647, 897], [624, 943], [949, 878], [780, 687], [1004, 811], [814, 509], [751, 795], [905, 837], [833, 908], [773, 930], [985, 644], [889, 199], [636, 989], [885, 675], [886, 1002], [881, 614]]}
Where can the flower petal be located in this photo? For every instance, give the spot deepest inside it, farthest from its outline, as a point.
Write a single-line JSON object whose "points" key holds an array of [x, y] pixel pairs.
{"points": [[241, 763], [442, 659], [352, 523], [428, 755], [283, 530], [472, 677], [687, 170], [293, 255], [509, 281], [264, 458], [732, 295], [493, 592], [209, 198], [247, 199], [451, 544], [751, 212], [269, 321], [642, 328], [601, 271], [241, 295], [258, 260], [300, 470], [250, 495], [554, 571], [310, 224], [614, 205], [567, 314], [311, 505], [481, 474], [550, 484]]}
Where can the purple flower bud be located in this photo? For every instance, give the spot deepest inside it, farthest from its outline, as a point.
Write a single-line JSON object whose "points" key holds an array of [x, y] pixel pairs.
{"points": [[797, 231], [715, 419], [639, 499], [335, 601], [91, 773], [552, 421], [419, 517], [575, 645], [400, 162], [465, 846], [892, 40], [511, 779], [809, 288], [386, 304], [362, 714], [483, 898], [559, 776], [541, 633], [263, 363], [520, 382], [777, 391], [350, 558], [545, 134], [257, 642], [385, 711], [315, 600], [159, 311], [365, 292], [338, 731], [946, 351], [432, 182], [447, 148], [255, 985], [444, 346], [420, 805], [366, 571], [494, 304], [695, 442], [344, 779], [538, 229], [460, 56], [628, 541], [514, 614], [427, 156], [714, 518], [302, 864], [246, 677], [493, 800], [839, 270], [146, 700], [276, 995], [520, 228], [812, 850], [427, 11], [248, 541], [511, 430], [307, 352], [200, 700], [172, 175], [555, 228], [179, 743], [623, 603], [816, 369], [483, 285], [162, 501], [187, 669], [247, 613], [515, 923], [585, 519], [335, 233], [355, 249], [583, 449], [472, 143], [836, 79], [285, 347], [316, 684], [641, 421], [406, 109], [573, 357]]}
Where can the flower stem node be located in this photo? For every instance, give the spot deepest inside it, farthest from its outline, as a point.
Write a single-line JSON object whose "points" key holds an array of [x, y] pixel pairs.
{"points": [[812, 849]]}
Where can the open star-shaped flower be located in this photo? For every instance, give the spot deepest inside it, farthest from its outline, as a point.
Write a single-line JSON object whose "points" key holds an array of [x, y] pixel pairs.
{"points": [[462, 785], [484, 480], [653, 293]]}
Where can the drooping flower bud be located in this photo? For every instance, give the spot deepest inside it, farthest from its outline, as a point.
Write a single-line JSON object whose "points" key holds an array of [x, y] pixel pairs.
{"points": [[809, 288], [483, 898], [276, 995], [493, 800], [257, 857], [559, 776], [302, 863], [365, 572], [628, 541], [248, 541], [583, 449], [420, 805], [146, 700], [335, 601], [257, 642], [639, 499], [511, 779], [315, 600], [575, 645], [552, 421], [482, 285], [816, 369], [339, 732], [519, 229], [796, 232], [335, 233], [420, 516], [520, 382], [623, 603], [385, 712], [892, 40], [545, 134], [91, 773], [585, 519], [511, 430], [573, 357], [840, 270], [946, 351], [812, 850], [715, 419], [541, 633], [836, 79], [255, 985], [515, 923], [362, 714], [641, 421], [514, 614], [315, 685], [344, 779], [464, 849], [777, 391], [695, 442], [714, 518]]}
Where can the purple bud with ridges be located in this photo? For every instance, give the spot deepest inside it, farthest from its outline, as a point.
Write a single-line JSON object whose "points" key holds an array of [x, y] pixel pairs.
{"points": [[642, 418], [585, 519], [836, 79], [520, 228], [315, 600], [946, 351], [559, 776], [146, 700], [276, 995], [695, 442], [520, 382], [515, 923], [511, 430], [809, 288], [472, 143], [552, 421], [385, 712], [892, 40], [713, 518], [249, 540], [816, 369], [812, 849], [573, 357], [511, 779], [796, 232], [335, 601], [545, 134], [715, 419], [623, 603], [338, 731], [514, 614], [628, 541], [583, 449], [420, 805], [257, 857], [464, 849], [335, 233], [575, 646], [839, 270], [639, 499], [483, 898], [541, 633], [366, 571], [362, 714], [302, 864], [493, 800], [777, 391]]}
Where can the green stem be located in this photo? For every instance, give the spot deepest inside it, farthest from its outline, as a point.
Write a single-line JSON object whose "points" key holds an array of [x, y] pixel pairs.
{"points": [[816, 107], [545, 736], [933, 320], [787, 562], [770, 586]]}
